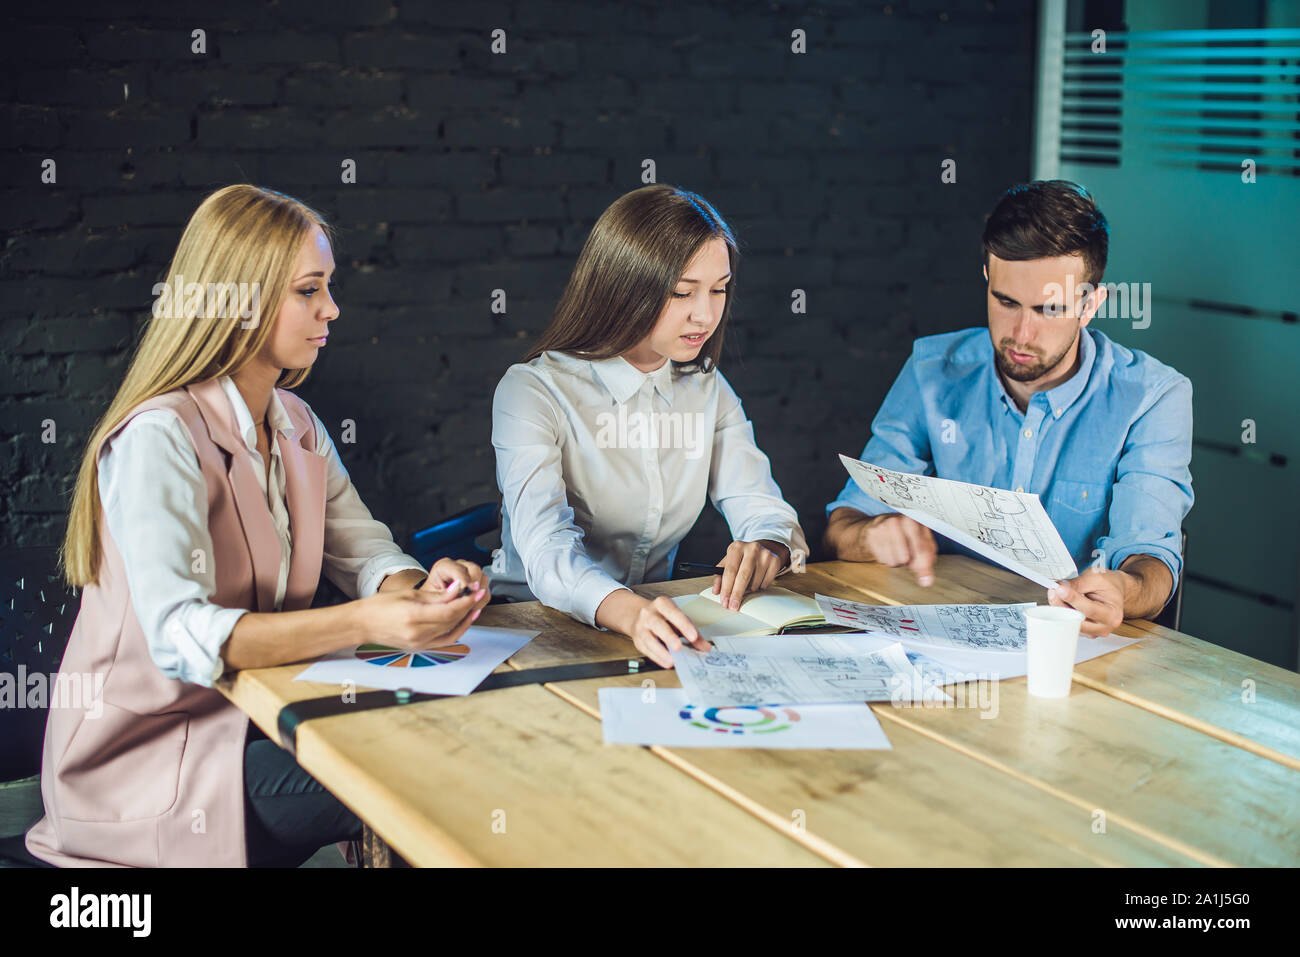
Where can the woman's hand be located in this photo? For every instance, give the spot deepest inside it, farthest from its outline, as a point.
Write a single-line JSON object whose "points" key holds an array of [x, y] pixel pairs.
{"points": [[432, 615], [657, 628], [749, 566], [464, 574], [660, 627]]}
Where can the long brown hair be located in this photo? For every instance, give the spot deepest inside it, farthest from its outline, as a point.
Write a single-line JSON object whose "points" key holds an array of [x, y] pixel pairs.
{"points": [[239, 235], [627, 270]]}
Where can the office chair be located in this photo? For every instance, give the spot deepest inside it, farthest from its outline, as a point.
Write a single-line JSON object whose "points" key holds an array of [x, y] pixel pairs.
{"points": [[1172, 615], [37, 611], [454, 537]]}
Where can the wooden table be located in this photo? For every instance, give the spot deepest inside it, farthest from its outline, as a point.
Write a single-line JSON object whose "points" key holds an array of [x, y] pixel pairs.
{"points": [[1173, 751]]}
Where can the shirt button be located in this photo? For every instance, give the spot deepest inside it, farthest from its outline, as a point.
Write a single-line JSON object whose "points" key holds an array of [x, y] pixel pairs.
{"points": [[1020, 488], [1029, 433], [1057, 412]]}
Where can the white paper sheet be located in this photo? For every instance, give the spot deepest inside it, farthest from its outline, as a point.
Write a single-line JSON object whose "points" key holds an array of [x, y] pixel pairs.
{"points": [[938, 665], [1010, 528], [969, 627], [795, 646], [931, 671], [455, 669], [726, 678], [663, 716]]}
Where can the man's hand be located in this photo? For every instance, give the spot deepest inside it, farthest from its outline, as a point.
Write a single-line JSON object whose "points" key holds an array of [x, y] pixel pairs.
{"points": [[896, 540], [1098, 594], [890, 539], [1138, 589]]}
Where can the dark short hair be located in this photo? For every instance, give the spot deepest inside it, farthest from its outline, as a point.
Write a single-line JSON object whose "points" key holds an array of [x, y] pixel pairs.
{"points": [[1046, 218]]}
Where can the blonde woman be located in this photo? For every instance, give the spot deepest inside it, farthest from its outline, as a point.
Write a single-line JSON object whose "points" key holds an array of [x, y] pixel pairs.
{"points": [[618, 427], [208, 503]]}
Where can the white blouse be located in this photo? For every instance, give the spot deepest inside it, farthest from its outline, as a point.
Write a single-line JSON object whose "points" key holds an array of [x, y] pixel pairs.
{"points": [[155, 500], [603, 469]]}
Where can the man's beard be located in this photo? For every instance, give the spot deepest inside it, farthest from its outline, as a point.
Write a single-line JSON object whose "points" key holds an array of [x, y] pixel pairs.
{"points": [[1026, 373]]}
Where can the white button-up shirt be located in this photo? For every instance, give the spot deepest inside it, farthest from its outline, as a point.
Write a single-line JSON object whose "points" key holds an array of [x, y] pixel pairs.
{"points": [[155, 500], [603, 469]]}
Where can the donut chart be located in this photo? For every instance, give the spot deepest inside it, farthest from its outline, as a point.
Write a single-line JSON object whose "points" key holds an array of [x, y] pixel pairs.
{"points": [[740, 719], [384, 656]]}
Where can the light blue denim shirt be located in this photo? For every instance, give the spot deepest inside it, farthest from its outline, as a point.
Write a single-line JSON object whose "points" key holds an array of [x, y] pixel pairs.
{"points": [[1107, 451]]}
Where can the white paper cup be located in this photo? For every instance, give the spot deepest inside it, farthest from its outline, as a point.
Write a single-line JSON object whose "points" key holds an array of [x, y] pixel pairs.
{"points": [[1052, 634]]}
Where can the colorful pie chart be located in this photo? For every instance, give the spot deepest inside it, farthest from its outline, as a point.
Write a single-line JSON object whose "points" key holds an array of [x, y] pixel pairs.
{"points": [[397, 658], [740, 719]]}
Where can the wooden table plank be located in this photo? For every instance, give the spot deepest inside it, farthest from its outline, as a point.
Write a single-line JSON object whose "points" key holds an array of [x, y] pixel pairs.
{"points": [[956, 788], [1201, 797], [1197, 683], [920, 804], [560, 639], [431, 778], [262, 692], [919, 796], [1231, 696]]}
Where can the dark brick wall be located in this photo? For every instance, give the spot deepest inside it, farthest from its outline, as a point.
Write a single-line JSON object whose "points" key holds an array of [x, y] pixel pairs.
{"points": [[478, 171]]}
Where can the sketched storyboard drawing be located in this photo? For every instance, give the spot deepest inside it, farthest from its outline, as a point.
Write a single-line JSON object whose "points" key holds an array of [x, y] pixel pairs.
{"points": [[727, 678], [976, 627], [1010, 528]]}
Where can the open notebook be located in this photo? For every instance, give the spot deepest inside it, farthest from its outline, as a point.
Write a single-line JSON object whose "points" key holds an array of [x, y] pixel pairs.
{"points": [[764, 613]]}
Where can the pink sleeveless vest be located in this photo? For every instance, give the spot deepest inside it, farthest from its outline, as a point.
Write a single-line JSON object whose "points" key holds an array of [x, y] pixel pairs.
{"points": [[157, 779]]}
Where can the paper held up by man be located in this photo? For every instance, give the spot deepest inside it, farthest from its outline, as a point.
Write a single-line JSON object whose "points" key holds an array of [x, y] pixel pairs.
{"points": [[1008, 528]]}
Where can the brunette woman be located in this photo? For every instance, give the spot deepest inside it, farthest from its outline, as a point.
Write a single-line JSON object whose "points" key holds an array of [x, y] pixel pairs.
{"points": [[619, 425]]}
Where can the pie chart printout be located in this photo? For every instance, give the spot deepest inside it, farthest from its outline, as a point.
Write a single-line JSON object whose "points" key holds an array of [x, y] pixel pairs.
{"points": [[662, 716], [464, 665], [387, 657], [741, 719]]}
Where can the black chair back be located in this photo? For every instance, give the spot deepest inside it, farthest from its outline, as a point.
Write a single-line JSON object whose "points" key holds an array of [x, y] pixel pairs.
{"points": [[1172, 615], [454, 537], [37, 611]]}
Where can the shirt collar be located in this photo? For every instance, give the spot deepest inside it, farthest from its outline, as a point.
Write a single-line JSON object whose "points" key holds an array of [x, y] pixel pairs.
{"points": [[1062, 397], [277, 415], [624, 380], [999, 387]]}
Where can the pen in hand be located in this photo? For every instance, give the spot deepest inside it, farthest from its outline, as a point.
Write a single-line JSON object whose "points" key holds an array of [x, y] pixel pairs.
{"points": [[465, 589], [700, 567]]}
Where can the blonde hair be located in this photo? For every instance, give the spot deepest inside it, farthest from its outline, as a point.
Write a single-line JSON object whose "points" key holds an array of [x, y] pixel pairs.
{"points": [[241, 237]]}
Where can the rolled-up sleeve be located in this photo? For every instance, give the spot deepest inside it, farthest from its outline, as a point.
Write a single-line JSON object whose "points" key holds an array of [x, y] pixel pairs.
{"points": [[156, 505], [526, 437], [1153, 483], [900, 440], [359, 550], [741, 486]]}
